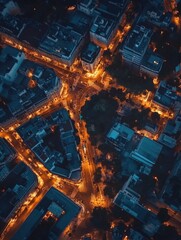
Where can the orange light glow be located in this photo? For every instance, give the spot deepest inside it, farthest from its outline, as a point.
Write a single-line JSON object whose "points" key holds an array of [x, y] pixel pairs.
{"points": [[125, 238], [155, 81], [177, 21], [71, 8], [32, 83], [30, 74], [155, 178]]}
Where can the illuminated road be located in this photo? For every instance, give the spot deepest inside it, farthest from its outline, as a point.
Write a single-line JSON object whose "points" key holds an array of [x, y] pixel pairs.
{"points": [[72, 97]]}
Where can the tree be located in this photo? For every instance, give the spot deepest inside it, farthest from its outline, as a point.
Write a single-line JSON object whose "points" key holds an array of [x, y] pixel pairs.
{"points": [[167, 233], [155, 117], [117, 212], [97, 175], [163, 215], [106, 148], [100, 218], [98, 114], [129, 79], [108, 191], [107, 54], [137, 118], [117, 93]]}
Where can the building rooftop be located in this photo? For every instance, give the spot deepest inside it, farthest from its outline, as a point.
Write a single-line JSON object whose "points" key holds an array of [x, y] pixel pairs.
{"points": [[61, 41], [87, 6], [167, 140], [90, 52], [133, 186], [33, 33], [120, 134], [165, 95], [10, 61], [138, 40], [15, 186], [11, 25], [24, 84], [120, 130], [61, 157], [49, 208], [119, 3], [7, 153], [103, 26], [156, 16], [86, 2], [80, 22], [131, 206], [147, 151], [13, 52], [173, 126], [152, 62], [170, 195], [134, 208], [109, 10], [118, 231]]}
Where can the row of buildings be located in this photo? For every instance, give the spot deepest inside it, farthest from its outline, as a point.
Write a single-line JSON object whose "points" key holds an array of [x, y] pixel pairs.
{"points": [[24, 85], [128, 199], [49, 218], [135, 51], [16, 182], [144, 158], [166, 100], [90, 28], [53, 141]]}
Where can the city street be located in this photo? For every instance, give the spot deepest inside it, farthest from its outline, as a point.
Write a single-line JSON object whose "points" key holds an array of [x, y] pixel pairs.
{"points": [[76, 89]]}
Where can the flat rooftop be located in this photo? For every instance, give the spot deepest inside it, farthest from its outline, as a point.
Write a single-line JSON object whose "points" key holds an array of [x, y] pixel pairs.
{"points": [[11, 25], [61, 41], [24, 84], [165, 95], [33, 33], [148, 149], [90, 52], [7, 153], [152, 61], [138, 40], [134, 208], [119, 3], [109, 10], [103, 26], [120, 130], [53, 141], [79, 21], [126, 202], [8, 60], [15, 186]]}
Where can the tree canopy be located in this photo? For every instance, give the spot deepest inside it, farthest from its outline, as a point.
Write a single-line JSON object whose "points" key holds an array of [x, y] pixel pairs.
{"points": [[137, 118], [163, 215], [167, 233], [100, 218], [99, 113], [128, 79]]}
